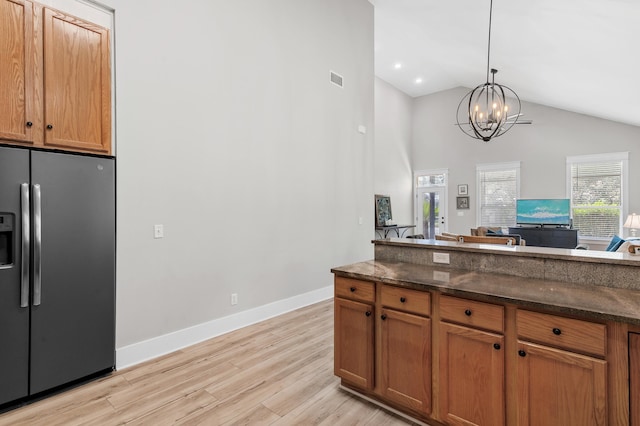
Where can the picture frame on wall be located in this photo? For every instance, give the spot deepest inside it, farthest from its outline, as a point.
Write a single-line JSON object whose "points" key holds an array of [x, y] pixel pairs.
{"points": [[383, 209], [463, 189], [462, 203]]}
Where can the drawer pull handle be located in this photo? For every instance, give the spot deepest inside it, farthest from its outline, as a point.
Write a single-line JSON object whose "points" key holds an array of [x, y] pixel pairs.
{"points": [[368, 313], [496, 346], [29, 124], [467, 312], [49, 126], [522, 353], [403, 299], [557, 331], [383, 317], [352, 289]]}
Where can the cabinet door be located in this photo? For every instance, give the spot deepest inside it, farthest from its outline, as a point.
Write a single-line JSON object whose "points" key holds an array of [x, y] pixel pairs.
{"points": [[557, 387], [634, 374], [353, 342], [406, 359], [77, 90], [20, 117], [471, 376]]}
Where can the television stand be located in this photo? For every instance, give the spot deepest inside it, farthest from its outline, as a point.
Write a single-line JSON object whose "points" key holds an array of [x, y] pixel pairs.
{"points": [[541, 236]]}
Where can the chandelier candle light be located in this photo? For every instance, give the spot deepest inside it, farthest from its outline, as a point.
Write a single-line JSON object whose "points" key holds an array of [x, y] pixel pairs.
{"points": [[490, 109]]}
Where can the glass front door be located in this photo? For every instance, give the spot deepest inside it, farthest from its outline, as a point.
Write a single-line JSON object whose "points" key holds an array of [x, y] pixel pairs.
{"points": [[430, 214]]}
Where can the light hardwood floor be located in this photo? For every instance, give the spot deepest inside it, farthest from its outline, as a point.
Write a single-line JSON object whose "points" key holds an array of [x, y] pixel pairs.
{"points": [[277, 372]]}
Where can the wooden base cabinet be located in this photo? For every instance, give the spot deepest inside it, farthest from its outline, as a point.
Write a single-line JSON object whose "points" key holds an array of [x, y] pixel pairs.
{"points": [[557, 387], [634, 375], [354, 322], [559, 382], [471, 376], [406, 359], [472, 362]]}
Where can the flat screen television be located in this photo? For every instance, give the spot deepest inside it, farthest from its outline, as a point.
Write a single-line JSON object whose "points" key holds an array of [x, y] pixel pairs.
{"points": [[543, 212]]}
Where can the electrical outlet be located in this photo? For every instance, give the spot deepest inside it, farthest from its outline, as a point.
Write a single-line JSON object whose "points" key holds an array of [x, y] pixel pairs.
{"points": [[234, 298], [441, 258], [158, 231]]}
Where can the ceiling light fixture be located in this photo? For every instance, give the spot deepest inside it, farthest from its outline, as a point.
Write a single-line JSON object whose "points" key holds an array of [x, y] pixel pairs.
{"points": [[491, 109], [398, 65], [418, 80]]}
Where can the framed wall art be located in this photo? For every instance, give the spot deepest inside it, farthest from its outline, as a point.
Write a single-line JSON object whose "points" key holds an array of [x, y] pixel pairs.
{"points": [[383, 209], [462, 203], [463, 189]]}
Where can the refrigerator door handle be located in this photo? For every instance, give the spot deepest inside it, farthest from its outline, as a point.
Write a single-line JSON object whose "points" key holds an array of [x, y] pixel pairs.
{"points": [[26, 242], [37, 245]]}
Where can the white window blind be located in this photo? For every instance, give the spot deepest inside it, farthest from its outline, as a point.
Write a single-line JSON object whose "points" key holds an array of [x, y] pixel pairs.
{"points": [[498, 189], [596, 185]]}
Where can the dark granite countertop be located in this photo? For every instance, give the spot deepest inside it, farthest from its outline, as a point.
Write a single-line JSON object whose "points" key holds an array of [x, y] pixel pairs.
{"points": [[590, 256], [588, 301]]}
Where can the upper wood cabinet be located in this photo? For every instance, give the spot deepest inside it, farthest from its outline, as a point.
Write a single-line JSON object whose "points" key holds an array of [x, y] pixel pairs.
{"points": [[55, 77], [20, 83]]}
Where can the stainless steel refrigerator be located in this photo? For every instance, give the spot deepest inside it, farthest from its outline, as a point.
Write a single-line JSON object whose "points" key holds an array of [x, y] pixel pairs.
{"points": [[57, 270]]}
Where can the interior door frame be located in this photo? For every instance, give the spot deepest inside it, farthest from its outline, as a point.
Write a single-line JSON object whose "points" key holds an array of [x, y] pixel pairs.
{"points": [[442, 189]]}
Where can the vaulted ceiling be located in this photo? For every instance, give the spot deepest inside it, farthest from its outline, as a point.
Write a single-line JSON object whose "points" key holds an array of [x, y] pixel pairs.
{"points": [[578, 55]]}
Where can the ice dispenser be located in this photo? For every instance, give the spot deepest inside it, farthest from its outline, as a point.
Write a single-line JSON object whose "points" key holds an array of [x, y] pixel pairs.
{"points": [[6, 239]]}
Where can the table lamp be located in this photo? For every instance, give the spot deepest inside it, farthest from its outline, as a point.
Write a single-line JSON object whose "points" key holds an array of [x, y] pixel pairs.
{"points": [[633, 223]]}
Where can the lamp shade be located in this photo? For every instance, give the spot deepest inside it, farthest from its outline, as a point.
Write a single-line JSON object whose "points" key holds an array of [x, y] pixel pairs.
{"points": [[633, 221]]}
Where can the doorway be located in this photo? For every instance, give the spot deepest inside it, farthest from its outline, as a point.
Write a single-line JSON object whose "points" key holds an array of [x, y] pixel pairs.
{"points": [[431, 202]]}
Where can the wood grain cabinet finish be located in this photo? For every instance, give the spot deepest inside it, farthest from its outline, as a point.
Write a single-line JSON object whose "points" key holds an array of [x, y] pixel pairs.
{"points": [[634, 375], [20, 110], [55, 78], [77, 90], [559, 382], [404, 299], [558, 388], [472, 313], [363, 291], [353, 342], [406, 359], [472, 374]]}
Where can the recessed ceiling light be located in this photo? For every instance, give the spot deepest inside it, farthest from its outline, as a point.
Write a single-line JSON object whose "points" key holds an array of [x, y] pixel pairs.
{"points": [[418, 80], [397, 65]]}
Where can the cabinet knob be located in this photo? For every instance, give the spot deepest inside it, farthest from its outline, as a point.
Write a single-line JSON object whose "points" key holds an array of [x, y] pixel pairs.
{"points": [[383, 317], [29, 124], [403, 299], [49, 126], [557, 331], [467, 312], [368, 313], [496, 346], [352, 289], [522, 353]]}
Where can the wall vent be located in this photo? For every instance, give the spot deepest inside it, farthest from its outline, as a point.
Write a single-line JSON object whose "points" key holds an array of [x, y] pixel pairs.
{"points": [[336, 78]]}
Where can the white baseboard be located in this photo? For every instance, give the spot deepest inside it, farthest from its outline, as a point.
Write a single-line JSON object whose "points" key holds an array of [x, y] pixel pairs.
{"points": [[136, 353]]}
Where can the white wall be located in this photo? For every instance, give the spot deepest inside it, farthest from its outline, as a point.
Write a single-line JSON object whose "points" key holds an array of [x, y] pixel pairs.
{"points": [[541, 147], [392, 162], [231, 136]]}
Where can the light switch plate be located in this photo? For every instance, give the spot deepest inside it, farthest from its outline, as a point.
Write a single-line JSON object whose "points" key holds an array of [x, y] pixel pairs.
{"points": [[158, 231]]}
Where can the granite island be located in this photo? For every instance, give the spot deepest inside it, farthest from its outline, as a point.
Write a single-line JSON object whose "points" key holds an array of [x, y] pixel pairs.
{"points": [[459, 333]]}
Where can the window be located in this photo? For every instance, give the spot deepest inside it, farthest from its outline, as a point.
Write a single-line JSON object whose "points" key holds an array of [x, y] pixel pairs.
{"points": [[498, 187], [597, 187]]}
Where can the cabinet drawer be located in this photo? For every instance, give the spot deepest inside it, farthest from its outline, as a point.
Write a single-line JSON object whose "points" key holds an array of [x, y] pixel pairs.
{"points": [[571, 334], [404, 299], [472, 313], [349, 288]]}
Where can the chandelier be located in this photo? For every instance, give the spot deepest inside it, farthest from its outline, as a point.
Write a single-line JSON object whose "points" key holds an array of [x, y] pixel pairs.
{"points": [[491, 109]]}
